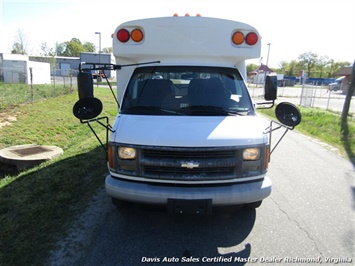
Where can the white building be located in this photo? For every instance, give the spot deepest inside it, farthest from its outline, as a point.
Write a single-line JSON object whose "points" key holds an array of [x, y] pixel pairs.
{"points": [[99, 58], [15, 68]]}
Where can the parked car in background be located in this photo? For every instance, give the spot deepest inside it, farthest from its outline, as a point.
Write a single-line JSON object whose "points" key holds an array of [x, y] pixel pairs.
{"points": [[337, 84]]}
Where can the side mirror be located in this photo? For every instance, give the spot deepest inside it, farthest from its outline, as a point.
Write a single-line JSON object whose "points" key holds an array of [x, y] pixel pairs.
{"points": [[85, 85], [288, 114], [87, 108], [270, 89]]}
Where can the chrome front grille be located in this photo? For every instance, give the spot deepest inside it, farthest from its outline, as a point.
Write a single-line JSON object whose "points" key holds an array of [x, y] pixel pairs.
{"points": [[195, 164]]}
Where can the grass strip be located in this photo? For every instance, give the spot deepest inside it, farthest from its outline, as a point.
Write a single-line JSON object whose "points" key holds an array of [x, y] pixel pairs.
{"points": [[37, 204], [326, 127]]}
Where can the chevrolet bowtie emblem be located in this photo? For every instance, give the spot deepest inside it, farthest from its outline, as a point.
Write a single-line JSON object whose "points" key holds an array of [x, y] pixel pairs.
{"points": [[190, 165]]}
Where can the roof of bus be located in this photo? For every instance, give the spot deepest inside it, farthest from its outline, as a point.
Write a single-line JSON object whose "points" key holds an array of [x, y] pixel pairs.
{"points": [[185, 40]]}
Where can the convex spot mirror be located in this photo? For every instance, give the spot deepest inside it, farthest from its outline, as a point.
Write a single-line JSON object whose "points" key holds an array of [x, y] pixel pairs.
{"points": [[288, 114], [87, 108], [270, 89]]}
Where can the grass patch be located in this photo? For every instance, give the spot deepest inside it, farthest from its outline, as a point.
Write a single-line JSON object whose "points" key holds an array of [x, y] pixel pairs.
{"points": [[326, 127], [36, 205]]}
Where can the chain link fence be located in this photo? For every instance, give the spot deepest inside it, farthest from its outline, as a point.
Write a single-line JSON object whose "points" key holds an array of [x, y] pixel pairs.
{"points": [[16, 93], [309, 96]]}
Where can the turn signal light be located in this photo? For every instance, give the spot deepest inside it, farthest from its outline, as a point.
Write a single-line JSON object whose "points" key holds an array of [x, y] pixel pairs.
{"points": [[238, 38], [267, 158], [137, 35], [110, 156]]}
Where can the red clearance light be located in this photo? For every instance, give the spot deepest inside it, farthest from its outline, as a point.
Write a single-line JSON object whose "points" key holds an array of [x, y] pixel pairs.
{"points": [[238, 38], [251, 38], [137, 35], [123, 35]]}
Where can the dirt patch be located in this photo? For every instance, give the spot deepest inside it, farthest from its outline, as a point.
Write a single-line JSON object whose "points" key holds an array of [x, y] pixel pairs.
{"points": [[6, 119]]}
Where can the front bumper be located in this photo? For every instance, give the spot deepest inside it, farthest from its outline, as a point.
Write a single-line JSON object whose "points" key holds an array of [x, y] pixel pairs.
{"points": [[221, 195]]}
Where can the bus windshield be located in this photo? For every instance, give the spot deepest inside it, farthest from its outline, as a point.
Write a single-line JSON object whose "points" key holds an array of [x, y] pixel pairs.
{"points": [[186, 90]]}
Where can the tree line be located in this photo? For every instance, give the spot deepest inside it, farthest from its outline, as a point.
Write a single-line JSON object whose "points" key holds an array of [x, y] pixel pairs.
{"points": [[315, 65], [71, 48]]}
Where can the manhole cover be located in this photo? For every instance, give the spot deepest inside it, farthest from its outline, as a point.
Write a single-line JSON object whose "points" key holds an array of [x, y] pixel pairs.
{"points": [[30, 151], [28, 155]]}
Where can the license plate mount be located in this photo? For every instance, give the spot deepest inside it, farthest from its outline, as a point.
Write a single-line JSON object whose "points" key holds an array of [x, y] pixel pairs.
{"points": [[181, 206]]}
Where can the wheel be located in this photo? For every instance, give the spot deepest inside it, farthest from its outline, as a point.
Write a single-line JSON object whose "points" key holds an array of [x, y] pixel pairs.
{"points": [[253, 205]]}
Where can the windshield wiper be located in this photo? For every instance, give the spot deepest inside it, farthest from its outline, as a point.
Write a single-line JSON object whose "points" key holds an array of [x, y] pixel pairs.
{"points": [[240, 112], [216, 109], [138, 108]]}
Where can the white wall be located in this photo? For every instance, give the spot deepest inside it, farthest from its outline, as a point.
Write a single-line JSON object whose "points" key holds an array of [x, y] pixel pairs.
{"points": [[41, 72]]}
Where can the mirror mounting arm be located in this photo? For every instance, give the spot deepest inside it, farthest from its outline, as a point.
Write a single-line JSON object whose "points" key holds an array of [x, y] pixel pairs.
{"points": [[105, 125], [262, 105], [103, 66], [270, 129]]}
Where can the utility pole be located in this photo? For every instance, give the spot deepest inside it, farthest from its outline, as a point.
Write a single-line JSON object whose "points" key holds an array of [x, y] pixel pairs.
{"points": [[98, 78], [99, 33], [345, 112], [267, 61], [268, 52]]}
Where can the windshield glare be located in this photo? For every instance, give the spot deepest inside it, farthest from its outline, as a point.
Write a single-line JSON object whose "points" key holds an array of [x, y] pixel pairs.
{"points": [[186, 91]]}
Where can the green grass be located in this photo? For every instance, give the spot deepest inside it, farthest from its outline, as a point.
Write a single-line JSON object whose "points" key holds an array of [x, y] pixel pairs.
{"points": [[36, 205], [326, 127]]}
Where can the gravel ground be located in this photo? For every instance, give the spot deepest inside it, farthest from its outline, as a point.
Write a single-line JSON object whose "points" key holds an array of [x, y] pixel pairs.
{"points": [[71, 249]]}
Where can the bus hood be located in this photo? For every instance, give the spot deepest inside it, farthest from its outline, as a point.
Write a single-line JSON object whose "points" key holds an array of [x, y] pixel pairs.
{"points": [[189, 131]]}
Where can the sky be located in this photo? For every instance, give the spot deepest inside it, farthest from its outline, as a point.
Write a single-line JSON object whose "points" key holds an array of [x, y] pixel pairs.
{"points": [[292, 27]]}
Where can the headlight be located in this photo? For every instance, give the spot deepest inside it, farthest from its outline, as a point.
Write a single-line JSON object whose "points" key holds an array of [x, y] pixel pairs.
{"points": [[126, 153], [251, 154]]}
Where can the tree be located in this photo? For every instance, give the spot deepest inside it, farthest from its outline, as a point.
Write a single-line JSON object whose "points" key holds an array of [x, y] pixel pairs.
{"points": [[59, 48], [20, 44], [46, 50], [309, 61], [282, 67], [74, 47], [89, 47], [321, 63], [292, 69], [107, 50], [251, 67], [331, 68], [320, 66]]}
